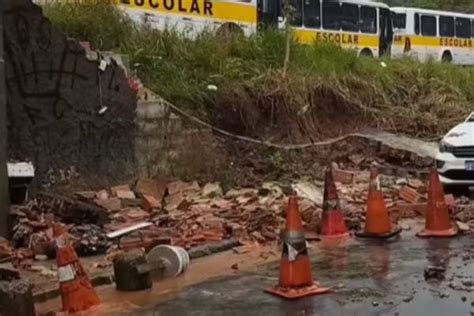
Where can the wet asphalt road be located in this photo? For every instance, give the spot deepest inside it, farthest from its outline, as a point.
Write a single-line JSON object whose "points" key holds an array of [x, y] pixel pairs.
{"points": [[368, 278]]}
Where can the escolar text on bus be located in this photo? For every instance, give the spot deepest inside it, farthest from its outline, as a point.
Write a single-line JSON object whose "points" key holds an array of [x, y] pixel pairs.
{"points": [[184, 6], [337, 38], [455, 42]]}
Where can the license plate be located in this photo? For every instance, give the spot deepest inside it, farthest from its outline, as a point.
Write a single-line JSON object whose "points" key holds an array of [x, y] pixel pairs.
{"points": [[470, 165]]}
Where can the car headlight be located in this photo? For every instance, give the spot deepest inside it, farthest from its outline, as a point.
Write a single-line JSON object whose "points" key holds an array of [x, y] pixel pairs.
{"points": [[445, 147]]}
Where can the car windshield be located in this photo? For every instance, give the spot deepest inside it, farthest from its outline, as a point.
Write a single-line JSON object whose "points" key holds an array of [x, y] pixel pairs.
{"points": [[471, 117]]}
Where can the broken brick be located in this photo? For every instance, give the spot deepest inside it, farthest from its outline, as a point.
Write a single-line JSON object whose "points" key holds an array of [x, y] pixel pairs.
{"points": [[149, 203], [410, 209], [235, 229], [231, 194], [115, 189], [191, 188], [154, 188], [137, 214], [416, 184], [113, 204], [343, 176], [124, 194], [175, 187], [197, 238], [176, 202], [410, 195], [131, 203], [213, 223], [244, 200]]}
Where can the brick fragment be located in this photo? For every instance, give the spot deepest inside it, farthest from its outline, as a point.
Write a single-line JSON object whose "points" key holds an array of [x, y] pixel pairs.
{"points": [[124, 187], [409, 195], [343, 176], [112, 204], [149, 203], [124, 194]]}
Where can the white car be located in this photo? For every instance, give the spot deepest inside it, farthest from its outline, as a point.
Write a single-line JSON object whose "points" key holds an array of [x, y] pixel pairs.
{"points": [[455, 159]]}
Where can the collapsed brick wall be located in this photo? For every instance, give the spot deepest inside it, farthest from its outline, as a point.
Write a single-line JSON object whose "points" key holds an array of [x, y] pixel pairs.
{"points": [[54, 94]]}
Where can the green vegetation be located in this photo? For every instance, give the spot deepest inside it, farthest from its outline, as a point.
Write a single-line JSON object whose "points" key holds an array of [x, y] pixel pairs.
{"points": [[92, 20], [326, 90]]}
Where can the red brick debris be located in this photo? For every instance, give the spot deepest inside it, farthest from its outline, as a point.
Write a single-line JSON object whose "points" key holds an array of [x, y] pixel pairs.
{"points": [[187, 214]]}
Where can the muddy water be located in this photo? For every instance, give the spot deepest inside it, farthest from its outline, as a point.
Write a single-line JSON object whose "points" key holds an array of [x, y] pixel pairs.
{"points": [[368, 278], [218, 266]]}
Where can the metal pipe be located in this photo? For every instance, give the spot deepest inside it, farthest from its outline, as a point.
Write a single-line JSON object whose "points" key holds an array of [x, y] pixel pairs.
{"points": [[4, 194]]}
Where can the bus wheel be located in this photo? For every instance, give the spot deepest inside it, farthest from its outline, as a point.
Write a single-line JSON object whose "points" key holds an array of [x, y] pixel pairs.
{"points": [[366, 53], [447, 57], [229, 30]]}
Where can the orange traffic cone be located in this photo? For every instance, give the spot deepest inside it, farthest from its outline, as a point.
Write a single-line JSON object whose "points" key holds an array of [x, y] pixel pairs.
{"points": [[377, 220], [77, 293], [295, 268], [333, 224], [438, 223]]}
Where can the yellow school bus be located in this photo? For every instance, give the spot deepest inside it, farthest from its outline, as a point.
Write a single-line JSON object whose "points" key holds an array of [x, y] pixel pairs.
{"points": [[436, 35], [362, 25]]}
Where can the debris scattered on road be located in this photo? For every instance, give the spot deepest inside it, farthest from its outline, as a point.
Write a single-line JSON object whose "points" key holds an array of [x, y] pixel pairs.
{"points": [[200, 218], [437, 273]]}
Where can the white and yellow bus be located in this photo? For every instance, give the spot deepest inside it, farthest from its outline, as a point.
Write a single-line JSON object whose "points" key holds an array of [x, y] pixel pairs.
{"points": [[194, 16], [433, 35], [362, 25]]}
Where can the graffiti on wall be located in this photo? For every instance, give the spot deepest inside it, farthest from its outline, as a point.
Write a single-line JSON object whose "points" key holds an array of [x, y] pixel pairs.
{"points": [[56, 98]]}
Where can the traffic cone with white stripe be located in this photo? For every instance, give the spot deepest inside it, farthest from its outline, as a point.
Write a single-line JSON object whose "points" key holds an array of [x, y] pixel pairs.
{"points": [[377, 219], [333, 224], [295, 279], [77, 293]]}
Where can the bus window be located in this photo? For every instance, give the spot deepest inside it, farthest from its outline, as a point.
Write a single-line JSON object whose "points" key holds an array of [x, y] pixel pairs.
{"points": [[446, 26], [296, 12], [368, 20], [331, 15], [472, 28], [399, 20], [428, 25], [463, 28], [312, 13], [350, 17], [417, 24]]}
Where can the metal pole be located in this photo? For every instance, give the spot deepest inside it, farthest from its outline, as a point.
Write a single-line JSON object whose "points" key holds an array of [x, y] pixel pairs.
{"points": [[4, 195]]}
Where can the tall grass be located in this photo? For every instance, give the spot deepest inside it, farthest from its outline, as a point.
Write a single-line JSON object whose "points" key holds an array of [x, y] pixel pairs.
{"points": [[95, 21], [403, 94]]}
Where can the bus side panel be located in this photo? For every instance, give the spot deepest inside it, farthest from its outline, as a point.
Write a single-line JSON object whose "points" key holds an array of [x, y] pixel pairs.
{"points": [[398, 46], [346, 40], [425, 48], [195, 14]]}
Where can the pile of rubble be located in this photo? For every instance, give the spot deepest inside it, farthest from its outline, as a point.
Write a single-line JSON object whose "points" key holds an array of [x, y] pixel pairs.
{"points": [[188, 215]]}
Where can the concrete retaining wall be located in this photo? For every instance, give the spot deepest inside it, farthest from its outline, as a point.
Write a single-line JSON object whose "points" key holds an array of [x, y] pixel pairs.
{"points": [[168, 146]]}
